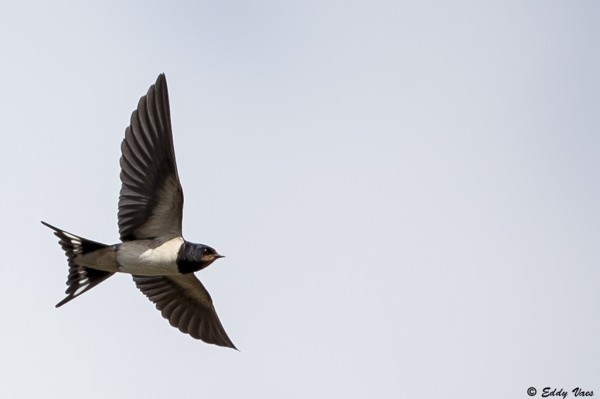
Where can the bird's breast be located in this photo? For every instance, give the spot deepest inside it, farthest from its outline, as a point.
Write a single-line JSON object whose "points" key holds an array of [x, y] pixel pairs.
{"points": [[146, 258]]}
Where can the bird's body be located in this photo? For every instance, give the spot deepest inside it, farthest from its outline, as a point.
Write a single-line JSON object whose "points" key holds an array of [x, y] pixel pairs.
{"points": [[149, 258], [152, 247]]}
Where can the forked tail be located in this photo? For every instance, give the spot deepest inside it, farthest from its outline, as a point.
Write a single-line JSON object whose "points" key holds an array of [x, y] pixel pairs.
{"points": [[81, 278]]}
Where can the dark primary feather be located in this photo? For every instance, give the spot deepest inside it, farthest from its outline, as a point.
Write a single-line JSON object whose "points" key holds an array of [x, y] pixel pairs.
{"points": [[183, 300], [151, 197]]}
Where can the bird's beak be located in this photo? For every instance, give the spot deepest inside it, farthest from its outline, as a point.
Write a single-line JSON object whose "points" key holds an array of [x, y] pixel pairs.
{"points": [[217, 256]]}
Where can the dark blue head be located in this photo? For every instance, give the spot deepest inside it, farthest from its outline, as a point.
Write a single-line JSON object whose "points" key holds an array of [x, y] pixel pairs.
{"points": [[193, 257]]}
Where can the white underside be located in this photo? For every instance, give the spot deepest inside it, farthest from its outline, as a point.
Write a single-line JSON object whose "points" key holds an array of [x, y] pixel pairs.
{"points": [[134, 257]]}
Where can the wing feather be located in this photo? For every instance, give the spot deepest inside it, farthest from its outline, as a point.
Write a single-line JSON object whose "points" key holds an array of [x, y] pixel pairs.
{"points": [[186, 304], [151, 198]]}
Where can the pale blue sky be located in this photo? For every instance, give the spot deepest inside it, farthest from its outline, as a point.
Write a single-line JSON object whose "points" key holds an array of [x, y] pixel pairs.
{"points": [[407, 194]]}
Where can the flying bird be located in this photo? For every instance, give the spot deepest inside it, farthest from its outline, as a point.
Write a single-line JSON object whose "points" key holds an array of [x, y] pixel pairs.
{"points": [[152, 248]]}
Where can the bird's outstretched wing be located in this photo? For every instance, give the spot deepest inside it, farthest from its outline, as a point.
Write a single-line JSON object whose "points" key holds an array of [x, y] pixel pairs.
{"points": [[183, 300], [151, 198]]}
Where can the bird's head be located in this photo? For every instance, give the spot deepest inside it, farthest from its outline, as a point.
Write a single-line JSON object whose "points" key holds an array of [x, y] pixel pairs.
{"points": [[193, 257]]}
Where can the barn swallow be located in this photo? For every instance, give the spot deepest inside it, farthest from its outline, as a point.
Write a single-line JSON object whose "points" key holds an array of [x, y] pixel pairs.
{"points": [[152, 248]]}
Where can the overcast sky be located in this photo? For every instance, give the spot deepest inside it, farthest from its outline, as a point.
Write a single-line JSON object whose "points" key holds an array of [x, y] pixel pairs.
{"points": [[406, 192]]}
